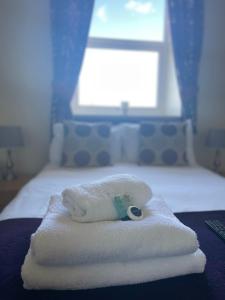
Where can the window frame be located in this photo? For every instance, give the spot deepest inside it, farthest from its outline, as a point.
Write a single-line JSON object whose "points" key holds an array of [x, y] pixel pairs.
{"points": [[160, 47]]}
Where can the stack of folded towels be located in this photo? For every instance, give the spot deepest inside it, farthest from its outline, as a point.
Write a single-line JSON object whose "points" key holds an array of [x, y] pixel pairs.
{"points": [[81, 244]]}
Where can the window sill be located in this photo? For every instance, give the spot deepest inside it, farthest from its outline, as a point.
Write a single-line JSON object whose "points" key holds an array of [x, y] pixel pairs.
{"points": [[121, 119]]}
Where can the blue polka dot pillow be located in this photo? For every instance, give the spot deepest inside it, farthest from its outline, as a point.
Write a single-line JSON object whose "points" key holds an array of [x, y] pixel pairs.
{"points": [[162, 143], [86, 144]]}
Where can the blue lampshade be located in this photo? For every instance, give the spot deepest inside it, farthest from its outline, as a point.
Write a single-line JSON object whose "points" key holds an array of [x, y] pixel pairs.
{"points": [[216, 138], [10, 137]]}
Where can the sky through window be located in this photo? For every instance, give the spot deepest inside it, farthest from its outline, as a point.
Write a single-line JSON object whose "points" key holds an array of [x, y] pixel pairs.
{"points": [[128, 19]]}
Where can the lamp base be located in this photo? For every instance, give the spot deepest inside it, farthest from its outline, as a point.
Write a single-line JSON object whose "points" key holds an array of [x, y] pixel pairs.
{"points": [[9, 174], [1, 175], [217, 161]]}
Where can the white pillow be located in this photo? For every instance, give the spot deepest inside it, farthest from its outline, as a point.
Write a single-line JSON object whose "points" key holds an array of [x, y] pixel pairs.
{"points": [[190, 144], [116, 143], [130, 142], [56, 146]]}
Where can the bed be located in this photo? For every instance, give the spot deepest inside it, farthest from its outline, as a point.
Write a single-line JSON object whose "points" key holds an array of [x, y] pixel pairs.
{"points": [[185, 189], [193, 193]]}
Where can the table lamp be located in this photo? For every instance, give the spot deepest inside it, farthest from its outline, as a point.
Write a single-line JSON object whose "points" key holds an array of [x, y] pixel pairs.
{"points": [[216, 140], [10, 138]]}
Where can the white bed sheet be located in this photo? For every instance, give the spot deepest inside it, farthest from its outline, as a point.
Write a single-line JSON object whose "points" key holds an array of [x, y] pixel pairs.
{"points": [[183, 188]]}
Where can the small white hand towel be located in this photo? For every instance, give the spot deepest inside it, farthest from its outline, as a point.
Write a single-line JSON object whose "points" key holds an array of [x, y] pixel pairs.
{"points": [[59, 240], [109, 274], [94, 201]]}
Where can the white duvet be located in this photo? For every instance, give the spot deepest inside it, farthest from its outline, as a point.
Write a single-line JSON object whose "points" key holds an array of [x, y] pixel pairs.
{"points": [[183, 188]]}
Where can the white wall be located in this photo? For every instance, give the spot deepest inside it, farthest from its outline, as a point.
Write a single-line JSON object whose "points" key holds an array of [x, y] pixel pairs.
{"points": [[26, 71], [211, 111], [25, 77]]}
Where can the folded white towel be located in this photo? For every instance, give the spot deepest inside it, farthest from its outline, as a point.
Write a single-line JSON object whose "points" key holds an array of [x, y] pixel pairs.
{"points": [[59, 240], [109, 274], [94, 201]]}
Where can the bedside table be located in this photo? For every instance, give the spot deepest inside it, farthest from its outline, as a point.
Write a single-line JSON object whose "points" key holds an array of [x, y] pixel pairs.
{"points": [[9, 189]]}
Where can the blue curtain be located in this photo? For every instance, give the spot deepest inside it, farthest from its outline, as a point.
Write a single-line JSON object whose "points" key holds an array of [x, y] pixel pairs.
{"points": [[186, 21], [70, 21]]}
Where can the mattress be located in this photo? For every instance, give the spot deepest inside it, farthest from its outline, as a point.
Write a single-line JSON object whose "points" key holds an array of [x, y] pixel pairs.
{"points": [[185, 189]]}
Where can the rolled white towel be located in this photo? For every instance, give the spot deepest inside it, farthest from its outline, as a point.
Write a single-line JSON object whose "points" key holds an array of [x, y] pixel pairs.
{"points": [[94, 201], [105, 274]]}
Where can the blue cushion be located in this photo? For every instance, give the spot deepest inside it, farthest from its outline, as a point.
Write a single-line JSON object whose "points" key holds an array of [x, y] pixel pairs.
{"points": [[162, 143]]}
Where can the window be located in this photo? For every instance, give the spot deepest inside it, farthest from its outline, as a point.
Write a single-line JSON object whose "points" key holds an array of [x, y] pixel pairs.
{"points": [[125, 67]]}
